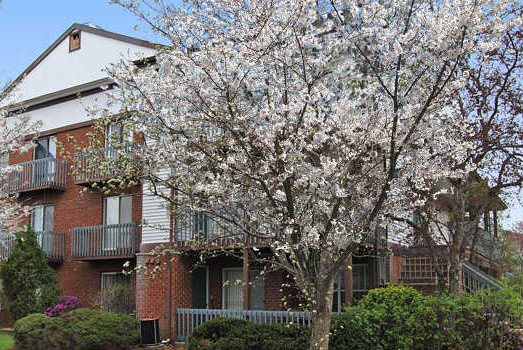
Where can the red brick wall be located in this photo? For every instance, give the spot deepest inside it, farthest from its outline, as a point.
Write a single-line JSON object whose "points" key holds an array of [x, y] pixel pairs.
{"points": [[152, 289], [152, 293], [73, 209]]}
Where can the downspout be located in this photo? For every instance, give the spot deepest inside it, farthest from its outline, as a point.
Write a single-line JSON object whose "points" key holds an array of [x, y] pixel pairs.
{"points": [[170, 269]]}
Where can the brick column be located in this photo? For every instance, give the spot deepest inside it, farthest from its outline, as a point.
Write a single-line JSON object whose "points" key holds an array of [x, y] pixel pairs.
{"points": [[152, 293]]}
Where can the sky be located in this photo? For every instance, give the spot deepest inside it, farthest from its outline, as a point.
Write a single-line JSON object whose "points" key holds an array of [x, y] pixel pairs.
{"points": [[28, 27]]}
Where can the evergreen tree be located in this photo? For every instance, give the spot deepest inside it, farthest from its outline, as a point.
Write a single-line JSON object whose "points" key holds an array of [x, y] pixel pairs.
{"points": [[30, 284]]}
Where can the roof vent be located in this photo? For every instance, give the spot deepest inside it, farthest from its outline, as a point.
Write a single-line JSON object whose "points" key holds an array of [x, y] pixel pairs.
{"points": [[74, 41], [89, 24]]}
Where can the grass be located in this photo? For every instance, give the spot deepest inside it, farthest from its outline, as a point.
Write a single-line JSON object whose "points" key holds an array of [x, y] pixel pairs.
{"points": [[6, 340]]}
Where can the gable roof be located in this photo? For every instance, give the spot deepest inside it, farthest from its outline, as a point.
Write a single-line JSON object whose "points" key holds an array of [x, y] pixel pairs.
{"points": [[84, 28]]}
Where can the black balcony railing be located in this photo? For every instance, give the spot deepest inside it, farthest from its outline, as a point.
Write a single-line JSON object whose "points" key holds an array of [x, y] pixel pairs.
{"points": [[51, 242], [105, 241], [47, 173], [104, 163]]}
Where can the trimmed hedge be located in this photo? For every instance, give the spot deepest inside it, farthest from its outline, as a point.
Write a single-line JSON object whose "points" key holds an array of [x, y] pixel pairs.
{"points": [[81, 329], [232, 334], [393, 318]]}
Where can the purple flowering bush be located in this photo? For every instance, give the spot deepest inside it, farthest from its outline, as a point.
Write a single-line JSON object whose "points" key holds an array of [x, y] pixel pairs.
{"points": [[65, 303]]}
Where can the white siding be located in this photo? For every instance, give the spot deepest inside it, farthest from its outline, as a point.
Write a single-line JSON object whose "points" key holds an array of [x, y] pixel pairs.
{"points": [[69, 112], [62, 69], [155, 215]]}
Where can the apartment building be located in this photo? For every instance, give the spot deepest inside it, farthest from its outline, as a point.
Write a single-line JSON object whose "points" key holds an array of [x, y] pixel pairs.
{"points": [[88, 236]]}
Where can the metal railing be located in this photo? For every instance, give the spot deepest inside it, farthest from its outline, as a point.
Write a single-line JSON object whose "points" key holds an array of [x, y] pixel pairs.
{"points": [[198, 230], [109, 241], [104, 163], [190, 319], [6, 246], [51, 242], [37, 174]]}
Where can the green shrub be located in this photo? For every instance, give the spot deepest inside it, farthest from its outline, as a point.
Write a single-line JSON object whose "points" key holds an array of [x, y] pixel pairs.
{"points": [[29, 283], [30, 332], [388, 319], [81, 329], [401, 318], [235, 334], [383, 319]]}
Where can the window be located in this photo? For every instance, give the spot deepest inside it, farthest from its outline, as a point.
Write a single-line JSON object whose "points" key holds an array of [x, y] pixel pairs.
{"points": [[118, 210], [116, 134], [42, 220], [117, 294], [74, 41], [361, 280], [200, 224], [4, 163], [4, 160], [45, 148], [339, 296], [232, 292], [383, 270], [45, 169], [114, 278]]}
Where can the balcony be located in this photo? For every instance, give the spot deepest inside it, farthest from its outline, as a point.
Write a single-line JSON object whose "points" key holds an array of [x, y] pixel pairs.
{"points": [[47, 173], [51, 242], [196, 231], [102, 164], [104, 242]]}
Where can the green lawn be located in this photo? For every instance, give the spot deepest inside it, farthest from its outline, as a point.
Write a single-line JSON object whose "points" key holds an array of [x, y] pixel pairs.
{"points": [[6, 340]]}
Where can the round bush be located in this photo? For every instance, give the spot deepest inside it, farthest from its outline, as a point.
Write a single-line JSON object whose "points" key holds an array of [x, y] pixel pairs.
{"points": [[30, 332], [81, 329]]}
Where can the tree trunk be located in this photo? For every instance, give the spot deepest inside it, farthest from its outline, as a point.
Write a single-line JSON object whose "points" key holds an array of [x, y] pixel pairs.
{"points": [[454, 275], [321, 319]]}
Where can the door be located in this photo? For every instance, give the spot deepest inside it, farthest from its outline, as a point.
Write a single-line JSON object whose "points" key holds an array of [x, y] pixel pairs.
{"points": [[232, 289], [257, 290], [117, 211], [44, 170], [199, 288]]}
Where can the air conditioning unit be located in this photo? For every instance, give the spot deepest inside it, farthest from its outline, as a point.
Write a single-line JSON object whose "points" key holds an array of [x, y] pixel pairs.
{"points": [[149, 331]]}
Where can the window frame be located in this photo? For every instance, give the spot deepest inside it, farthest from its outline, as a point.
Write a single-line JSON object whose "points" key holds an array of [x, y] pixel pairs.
{"points": [[225, 269], [51, 146], [104, 209], [124, 136], [44, 216]]}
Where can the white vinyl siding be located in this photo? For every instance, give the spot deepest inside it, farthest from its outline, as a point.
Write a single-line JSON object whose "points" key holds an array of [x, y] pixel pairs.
{"points": [[155, 215]]}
